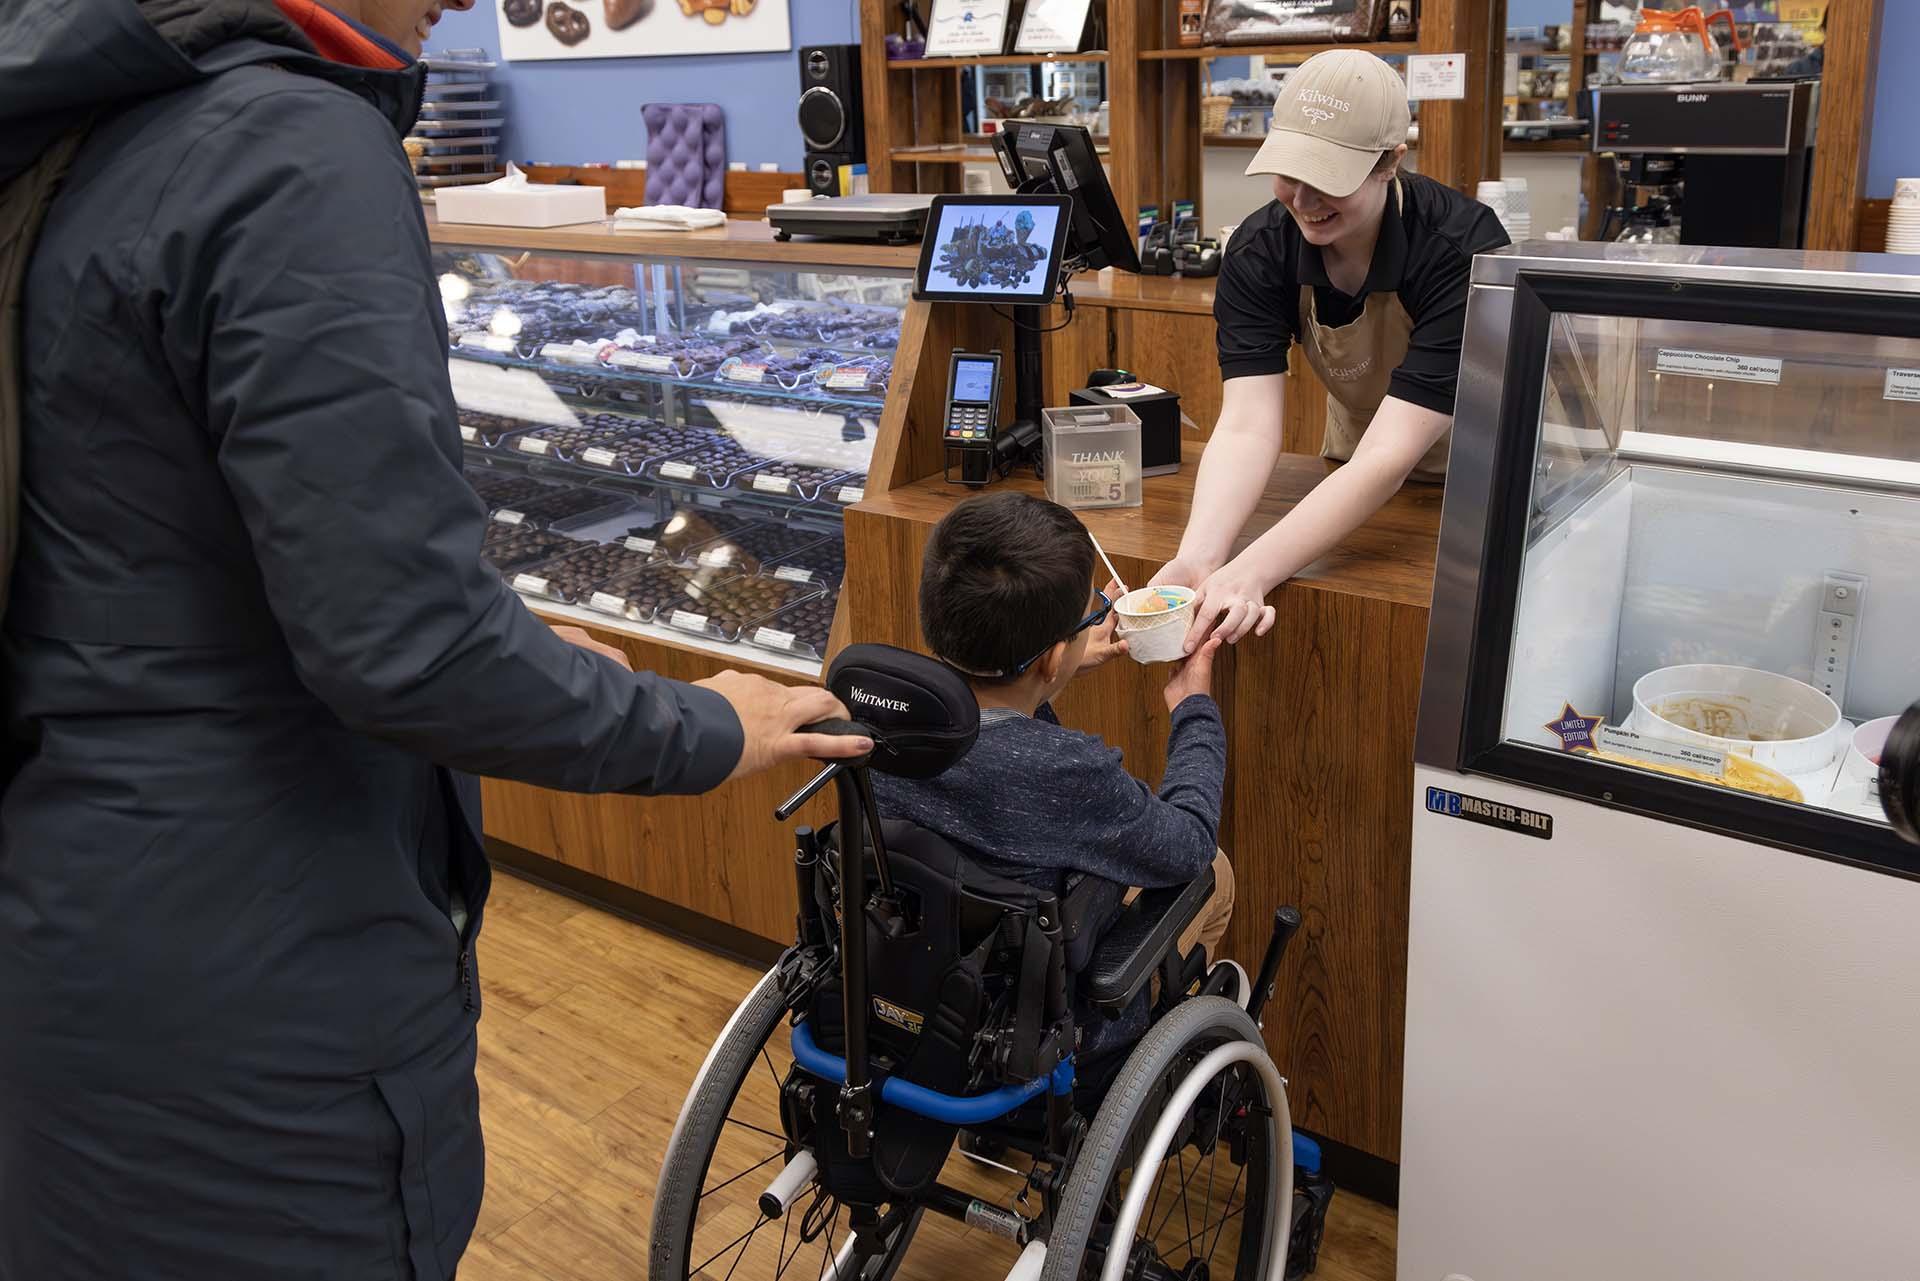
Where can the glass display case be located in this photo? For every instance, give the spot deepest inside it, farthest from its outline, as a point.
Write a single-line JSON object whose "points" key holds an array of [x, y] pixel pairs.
{"points": [[1680, 562], [671, 443]]}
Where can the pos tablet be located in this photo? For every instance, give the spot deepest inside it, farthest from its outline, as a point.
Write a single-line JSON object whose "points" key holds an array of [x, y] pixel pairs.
{"points": [[1004, 249]]}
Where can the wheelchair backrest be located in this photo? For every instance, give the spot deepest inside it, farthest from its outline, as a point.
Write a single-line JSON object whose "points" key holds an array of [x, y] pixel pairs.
{"points": [[922, 713]]}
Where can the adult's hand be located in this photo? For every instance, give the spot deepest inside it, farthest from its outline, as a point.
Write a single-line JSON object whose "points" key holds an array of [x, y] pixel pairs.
{"points": [[1182, 571], [1231, 604], [772, 714], [580, 637]]}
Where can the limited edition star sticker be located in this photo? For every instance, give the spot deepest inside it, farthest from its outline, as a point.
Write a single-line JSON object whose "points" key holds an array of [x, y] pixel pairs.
{"points": [[1575, 730]]}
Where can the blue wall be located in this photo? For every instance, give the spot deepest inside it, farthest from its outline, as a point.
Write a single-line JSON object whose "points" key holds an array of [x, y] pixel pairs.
{"points": [[1540, 13], [1896, 104], [588, 110]]}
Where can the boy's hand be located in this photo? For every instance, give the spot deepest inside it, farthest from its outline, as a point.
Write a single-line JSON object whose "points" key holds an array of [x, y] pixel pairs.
{"points": [[1101, 645], [1194, 675]]}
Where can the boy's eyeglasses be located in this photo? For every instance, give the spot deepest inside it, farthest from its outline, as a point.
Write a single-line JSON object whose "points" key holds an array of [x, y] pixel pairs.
{"points": [[1094, 619]]}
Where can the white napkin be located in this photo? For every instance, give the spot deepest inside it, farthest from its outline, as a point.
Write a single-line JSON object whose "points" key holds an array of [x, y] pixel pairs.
{"points": [[514, 181], [666, 218]]}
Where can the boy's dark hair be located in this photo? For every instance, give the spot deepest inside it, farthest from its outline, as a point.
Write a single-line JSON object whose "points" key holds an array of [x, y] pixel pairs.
{"points": [[1005, 576]]}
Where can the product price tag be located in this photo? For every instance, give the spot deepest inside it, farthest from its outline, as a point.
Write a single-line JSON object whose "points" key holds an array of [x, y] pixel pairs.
{"points": [[768, 483], [532, 584], [1659, 751], [1903, 384], [488, 342], [849, 494], [533, 445], [1719, 364], [599, 457], [650, 362], [608, 603], [1436, 75], [744, 373], [571, 353], [468, 434], [793, 574], [773, 639], [677, 471], [644, 546], [510, 517], [848, 378], [688, 621]]}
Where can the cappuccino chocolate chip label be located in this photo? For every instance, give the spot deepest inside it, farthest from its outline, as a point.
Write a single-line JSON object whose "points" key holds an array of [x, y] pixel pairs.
{"points": [[1477, 809], [1718, 364]]}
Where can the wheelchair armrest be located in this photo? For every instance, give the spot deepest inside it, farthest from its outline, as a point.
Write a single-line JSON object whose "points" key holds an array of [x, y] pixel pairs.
{"points": [[1147, 930]]}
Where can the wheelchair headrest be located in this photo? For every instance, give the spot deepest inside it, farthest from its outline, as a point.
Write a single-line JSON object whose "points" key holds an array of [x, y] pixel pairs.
{"points": [[922, 713]]}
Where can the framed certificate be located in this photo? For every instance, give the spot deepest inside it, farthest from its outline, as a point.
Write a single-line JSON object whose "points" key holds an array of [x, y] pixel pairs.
{"points": [[1052, 26], [962, 28]]}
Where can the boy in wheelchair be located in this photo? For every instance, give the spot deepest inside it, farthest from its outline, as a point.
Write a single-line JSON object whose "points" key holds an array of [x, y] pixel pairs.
{"points": [[968, 957]]}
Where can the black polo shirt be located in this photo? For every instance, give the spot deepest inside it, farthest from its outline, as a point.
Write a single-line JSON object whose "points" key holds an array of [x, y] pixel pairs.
{"points": [[1425, 254]]}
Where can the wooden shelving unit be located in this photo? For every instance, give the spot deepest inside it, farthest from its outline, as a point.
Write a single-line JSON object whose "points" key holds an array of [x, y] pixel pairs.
{"points": [[1276, 52], [993, 60]]}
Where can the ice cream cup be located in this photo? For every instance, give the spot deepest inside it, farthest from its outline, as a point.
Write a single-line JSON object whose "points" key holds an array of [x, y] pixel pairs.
{"points": [[1154, 622]]}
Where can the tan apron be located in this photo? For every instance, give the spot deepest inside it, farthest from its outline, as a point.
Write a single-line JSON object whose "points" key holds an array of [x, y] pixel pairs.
{"points": [[1355, 362]]}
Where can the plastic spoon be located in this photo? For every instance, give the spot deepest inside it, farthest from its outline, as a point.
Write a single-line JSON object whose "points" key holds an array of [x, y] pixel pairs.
{"points": [[1109, 564]]}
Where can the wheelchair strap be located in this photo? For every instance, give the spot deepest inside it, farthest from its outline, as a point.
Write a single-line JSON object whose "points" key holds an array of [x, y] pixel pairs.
{"points": [[1030, 1003]]}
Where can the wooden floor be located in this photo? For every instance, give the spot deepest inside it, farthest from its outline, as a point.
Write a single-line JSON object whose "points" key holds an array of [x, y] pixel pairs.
{"points": [[593, 1029]]}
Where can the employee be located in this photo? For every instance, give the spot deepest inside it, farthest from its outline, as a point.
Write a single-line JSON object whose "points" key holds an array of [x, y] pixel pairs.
{"points": [[1365, 269], [252, 657]]}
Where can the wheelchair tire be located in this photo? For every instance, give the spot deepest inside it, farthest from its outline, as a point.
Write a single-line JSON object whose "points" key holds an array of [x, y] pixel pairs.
{"points": [[758, 1022], [1122, 1133]]}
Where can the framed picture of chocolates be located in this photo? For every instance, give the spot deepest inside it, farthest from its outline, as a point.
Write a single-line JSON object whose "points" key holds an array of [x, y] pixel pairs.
{"points": [[532, 30]]}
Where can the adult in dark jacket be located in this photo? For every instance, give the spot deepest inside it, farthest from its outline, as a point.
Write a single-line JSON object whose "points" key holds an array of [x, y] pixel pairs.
{"points": [[250, 642]]}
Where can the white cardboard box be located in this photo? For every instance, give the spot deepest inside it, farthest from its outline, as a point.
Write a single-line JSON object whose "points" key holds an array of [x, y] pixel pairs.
{"points": [[533, 205]]}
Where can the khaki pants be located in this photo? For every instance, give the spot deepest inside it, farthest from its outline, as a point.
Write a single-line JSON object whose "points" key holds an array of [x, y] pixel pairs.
{"points": [[1210, 926]]}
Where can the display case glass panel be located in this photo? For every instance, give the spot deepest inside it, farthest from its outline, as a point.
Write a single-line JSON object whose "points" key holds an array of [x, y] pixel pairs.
{"points": [[672, 443]]}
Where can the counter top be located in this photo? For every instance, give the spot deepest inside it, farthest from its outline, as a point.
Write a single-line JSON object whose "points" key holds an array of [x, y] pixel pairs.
{"points": [[739, 240], [1110, 288], [1389, 559]]}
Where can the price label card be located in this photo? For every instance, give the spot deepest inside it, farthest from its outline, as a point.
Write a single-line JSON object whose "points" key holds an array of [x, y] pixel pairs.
{"points": [[571, 353], [767, 483], [773, 638], [651, 362], [530, 583], [599, 457], [533, 445], [488, 342], [850, 494], [608, 603], [848, 378], [1903, 384], [509, 517], [468, 434], [1660, 751], [1718, 364], [677, 471], [1436, 75], [745, 373], [794, 574], [637, 544], [687, 621]]}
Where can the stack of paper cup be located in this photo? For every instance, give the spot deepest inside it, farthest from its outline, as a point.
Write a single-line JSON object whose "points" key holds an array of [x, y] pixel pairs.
{"points": [[1903, 220], [1494, 196], [1519, 217]]}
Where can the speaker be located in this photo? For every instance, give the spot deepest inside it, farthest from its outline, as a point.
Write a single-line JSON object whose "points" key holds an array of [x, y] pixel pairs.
{"points": [[823, 171], [830, 116]]}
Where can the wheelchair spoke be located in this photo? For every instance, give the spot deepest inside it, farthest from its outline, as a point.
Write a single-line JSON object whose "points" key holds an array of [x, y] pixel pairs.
{"points": [[1231, 1212], [744, 1173], [743, 1240], [777, 1138]]}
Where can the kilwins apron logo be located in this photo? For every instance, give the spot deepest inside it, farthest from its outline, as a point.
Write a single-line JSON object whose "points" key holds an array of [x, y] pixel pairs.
{"points": [[1349, 373], [899, 1015]]}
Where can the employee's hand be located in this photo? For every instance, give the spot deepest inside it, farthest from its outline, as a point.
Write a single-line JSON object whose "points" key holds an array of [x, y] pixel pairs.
{"points": [[579, 637], [1194, 675], [771, 715], [1182, 572], [1101, 646], [1231, 604]]}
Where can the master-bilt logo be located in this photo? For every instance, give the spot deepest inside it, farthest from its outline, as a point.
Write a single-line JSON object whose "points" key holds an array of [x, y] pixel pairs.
{"points": [[874, 700]]}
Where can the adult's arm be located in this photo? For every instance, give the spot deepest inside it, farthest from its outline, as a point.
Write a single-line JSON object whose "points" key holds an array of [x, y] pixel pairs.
{"points": [[301, 312], [1234, 469]]}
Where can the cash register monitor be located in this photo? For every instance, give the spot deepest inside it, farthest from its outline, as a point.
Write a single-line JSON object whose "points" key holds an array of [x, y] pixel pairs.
{"points": [[1062, 157], [1004, 249]]}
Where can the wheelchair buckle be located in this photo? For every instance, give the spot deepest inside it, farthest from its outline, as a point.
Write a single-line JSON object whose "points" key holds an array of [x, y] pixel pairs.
{"points": [[856, 1118]]}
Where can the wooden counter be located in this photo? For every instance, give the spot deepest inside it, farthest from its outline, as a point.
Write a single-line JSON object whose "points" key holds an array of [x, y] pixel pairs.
{"points": [[738, 240], [1319, 717]]}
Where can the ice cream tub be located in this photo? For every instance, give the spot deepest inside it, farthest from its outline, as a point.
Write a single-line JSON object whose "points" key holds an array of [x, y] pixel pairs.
{"points": [[1154, 622], [1764, 716]]}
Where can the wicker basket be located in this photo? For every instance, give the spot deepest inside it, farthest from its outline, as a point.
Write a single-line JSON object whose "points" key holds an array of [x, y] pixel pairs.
{"points": [[1213, 113]]}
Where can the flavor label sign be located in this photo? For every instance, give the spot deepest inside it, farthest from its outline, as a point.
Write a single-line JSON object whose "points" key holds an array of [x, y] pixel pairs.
{"points": [[1719, 364], [1902, 384], [1659, 751]]}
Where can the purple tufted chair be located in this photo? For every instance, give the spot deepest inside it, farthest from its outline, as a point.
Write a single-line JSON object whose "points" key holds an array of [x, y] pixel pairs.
{"points": [[686, 154]]}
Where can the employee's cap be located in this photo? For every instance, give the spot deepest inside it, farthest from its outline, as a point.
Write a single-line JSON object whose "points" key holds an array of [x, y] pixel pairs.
{"points": [[1336, 113]]}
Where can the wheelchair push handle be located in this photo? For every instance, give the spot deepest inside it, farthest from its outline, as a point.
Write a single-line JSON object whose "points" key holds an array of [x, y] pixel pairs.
{"points": [[1286, 923], [838, 729]]}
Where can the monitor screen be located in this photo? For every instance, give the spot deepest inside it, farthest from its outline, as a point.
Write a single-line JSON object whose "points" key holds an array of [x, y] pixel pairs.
{"points": [[973, 380], [993, 249]]}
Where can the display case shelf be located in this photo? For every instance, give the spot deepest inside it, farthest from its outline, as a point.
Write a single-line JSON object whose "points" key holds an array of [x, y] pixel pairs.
{"points": [[994, 60], [591, 380], [1277, 52]]}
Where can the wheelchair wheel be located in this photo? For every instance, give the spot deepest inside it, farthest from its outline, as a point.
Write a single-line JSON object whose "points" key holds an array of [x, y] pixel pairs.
{"points": [[728, 1149], [1187, 1170]]}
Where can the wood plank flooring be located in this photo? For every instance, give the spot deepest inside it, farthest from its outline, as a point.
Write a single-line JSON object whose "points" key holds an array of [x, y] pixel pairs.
{"points": [[593, 1030]]}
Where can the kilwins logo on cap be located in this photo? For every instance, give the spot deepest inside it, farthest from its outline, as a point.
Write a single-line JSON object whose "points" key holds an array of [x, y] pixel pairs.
{"points": [[1319, 107]]}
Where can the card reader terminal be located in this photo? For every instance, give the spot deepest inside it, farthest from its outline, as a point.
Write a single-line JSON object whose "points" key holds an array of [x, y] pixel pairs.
{"points": [[973, 397]]}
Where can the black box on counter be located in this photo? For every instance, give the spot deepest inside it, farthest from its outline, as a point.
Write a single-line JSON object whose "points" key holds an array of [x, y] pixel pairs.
{"points": [[1159, 413]]}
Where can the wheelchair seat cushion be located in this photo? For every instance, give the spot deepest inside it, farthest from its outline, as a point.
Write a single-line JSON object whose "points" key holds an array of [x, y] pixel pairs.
{"points": [[922, 713]]}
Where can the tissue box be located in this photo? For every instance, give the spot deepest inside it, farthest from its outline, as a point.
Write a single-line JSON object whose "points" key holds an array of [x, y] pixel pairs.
{"points": [[530, 206]]}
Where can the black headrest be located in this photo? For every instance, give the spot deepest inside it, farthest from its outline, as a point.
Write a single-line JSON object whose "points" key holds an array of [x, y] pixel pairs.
{"points": [[922, 713]]}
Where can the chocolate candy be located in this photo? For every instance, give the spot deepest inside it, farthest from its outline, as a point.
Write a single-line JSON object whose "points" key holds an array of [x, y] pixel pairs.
{"points": [[746, 549], [557, 503], [506, 547], [802, 481], [824, 563], [688, 527], [709, 464], [808, 623], [568, 25], [499, 489], [488, 430], [522, 13], [575, 575], [624, 13], [650, 592], [731, 606], [562, 442]]}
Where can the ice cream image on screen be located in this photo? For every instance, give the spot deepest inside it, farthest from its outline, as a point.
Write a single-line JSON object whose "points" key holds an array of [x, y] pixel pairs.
{"points": [[978, 254]]}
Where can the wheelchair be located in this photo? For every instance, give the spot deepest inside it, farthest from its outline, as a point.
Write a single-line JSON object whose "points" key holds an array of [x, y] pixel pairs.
{"points": [[928, 1000]]}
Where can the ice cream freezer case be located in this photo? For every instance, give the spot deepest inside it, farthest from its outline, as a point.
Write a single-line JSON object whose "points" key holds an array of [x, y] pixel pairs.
{"points": [[1663, 970]]}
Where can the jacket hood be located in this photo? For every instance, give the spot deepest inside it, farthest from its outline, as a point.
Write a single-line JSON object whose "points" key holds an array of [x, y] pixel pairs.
{"points": [[62, 61]]}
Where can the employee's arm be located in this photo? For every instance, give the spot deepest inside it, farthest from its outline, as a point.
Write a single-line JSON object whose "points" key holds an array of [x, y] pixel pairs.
{"points": [[1398, 438], [1233, 473]]}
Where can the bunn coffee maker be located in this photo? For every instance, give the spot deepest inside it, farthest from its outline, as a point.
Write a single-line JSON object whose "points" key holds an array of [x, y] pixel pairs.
{"points": [[1727, 164]]}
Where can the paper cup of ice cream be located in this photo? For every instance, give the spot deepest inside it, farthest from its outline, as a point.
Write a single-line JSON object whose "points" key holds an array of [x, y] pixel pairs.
{"points": [[1154, 622]]}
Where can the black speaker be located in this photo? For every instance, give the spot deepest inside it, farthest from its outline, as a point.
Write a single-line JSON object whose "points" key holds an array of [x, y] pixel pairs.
{"points": [[830, 116], [823, 171]]}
